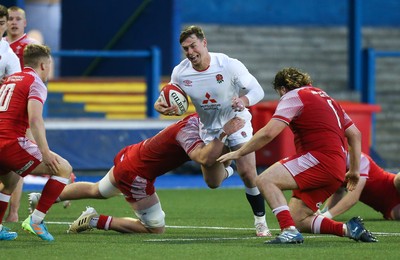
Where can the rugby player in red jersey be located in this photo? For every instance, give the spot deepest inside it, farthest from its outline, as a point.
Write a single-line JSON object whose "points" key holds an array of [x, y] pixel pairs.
{"points": [[320, 127], [136, 168], [22, 97]]}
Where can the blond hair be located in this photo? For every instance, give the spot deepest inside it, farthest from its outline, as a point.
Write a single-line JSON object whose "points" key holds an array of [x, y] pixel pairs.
{"points": [[35, 53], [291, 78], [17, 9]]}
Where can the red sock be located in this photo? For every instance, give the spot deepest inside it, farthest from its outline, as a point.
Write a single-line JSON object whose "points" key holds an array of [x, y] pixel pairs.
{"points": [[50, 193], [322, 225], [3, 205], [104, 222], [285, 219]]}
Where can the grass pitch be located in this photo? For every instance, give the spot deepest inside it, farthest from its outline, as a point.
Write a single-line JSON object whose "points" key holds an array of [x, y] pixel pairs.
{"points": [[201, 224]]}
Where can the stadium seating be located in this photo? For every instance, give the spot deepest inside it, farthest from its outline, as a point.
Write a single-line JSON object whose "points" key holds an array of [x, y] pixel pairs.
{"points": [[99, 99]]}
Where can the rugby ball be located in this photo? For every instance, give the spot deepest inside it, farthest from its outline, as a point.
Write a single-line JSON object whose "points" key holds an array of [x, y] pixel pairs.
{"points": [[173, 95]]}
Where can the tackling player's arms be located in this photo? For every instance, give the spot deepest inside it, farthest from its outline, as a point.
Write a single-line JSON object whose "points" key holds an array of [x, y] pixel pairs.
{"points": [[207, 154]]}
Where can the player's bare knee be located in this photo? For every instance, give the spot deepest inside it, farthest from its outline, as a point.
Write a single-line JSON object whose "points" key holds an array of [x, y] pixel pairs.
{"points": [[209, 162], [395, 214], [396, 182], [261, 181], [65, 171], [212, 184], [10, 183]]}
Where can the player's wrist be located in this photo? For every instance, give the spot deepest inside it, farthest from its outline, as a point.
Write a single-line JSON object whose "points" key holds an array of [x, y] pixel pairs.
{"points": [[222, 136]]}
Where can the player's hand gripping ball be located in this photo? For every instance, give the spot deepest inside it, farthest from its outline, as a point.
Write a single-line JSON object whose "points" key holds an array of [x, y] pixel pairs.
{"points": [[173, 95]]}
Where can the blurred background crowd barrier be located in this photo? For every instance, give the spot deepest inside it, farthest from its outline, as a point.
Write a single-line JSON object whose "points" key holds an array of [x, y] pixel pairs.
{"points": [[112, 57]]}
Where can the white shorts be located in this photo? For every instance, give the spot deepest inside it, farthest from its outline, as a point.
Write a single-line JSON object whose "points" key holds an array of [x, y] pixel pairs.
{"points": [[242, 136]]}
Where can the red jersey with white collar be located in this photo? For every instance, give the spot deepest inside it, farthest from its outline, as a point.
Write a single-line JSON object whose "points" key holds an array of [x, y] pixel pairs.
{"points": [[15, 93], [19, 45], [317, 121], [163, 152]]}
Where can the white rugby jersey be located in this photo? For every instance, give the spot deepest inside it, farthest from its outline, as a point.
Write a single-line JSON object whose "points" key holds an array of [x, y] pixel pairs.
{"points": [[212, 90], [9, 62]]}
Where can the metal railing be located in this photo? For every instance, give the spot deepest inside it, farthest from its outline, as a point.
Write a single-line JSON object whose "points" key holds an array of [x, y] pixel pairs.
{"points": [[370, 56], [368, 91]]}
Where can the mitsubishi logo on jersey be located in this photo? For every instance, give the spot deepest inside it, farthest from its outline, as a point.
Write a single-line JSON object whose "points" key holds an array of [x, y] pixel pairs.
{"points": [[208, 99], [210, 103]]}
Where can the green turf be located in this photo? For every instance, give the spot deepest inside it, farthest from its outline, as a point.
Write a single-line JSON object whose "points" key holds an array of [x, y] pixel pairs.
{"points": [[201, 224]]}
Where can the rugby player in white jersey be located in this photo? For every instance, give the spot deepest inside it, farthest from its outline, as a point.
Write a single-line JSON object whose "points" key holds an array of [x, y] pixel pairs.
{"points": [[220, 88], [9, 63]]}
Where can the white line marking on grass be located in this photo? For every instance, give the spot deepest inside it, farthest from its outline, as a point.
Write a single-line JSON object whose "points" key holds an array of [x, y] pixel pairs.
{"points": [[230, 228], [198, 239], [58, 223], [222, 238], [177, 227], [386, 234], [218, 228]]}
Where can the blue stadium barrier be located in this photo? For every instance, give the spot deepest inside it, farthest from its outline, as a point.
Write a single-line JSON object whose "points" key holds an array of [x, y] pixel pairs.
{"points": [[92, 144], [167, 181]]}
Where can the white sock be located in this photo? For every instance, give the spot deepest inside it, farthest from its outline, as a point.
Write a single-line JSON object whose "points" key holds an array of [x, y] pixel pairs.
{"points": [[93, 222], [5, 197], [252, 191], [262, 219], [37, 216], [229, 172]]}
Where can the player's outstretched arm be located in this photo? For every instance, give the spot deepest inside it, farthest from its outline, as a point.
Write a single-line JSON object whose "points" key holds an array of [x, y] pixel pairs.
{"points": [[347, 202], [36, 123], [354, 139], [208, 154], [260, 139]]}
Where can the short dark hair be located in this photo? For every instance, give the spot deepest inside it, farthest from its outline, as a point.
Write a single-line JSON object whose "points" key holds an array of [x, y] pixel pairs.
{"points": [[291, 78], [34, 53], [3, 12], [189, 30]]}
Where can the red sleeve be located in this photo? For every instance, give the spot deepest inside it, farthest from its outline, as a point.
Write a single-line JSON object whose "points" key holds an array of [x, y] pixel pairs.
{"points": [[188, 136]]}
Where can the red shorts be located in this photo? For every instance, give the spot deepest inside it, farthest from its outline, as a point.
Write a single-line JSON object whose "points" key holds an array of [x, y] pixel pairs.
{"points": [[392, 199], [381, 194], [19, 155], [130, 183], [317, 174]]}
